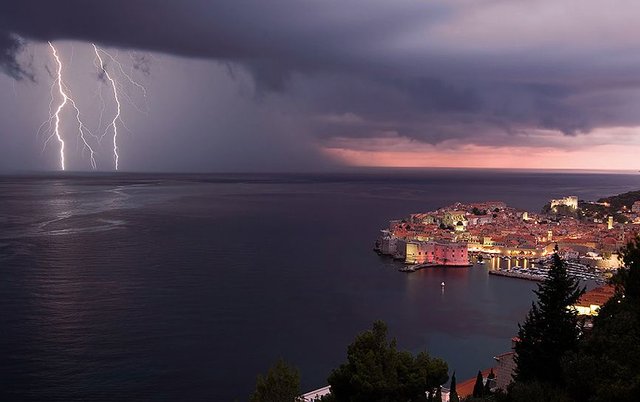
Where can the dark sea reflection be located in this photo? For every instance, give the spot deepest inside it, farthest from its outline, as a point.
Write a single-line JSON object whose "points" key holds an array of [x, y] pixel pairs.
{"points": [[183, 287]]}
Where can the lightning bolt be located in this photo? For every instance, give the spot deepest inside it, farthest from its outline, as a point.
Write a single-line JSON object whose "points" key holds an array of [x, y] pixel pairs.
{"points": [[59, 90], [54, 115], [116, 117], [128, 77]]}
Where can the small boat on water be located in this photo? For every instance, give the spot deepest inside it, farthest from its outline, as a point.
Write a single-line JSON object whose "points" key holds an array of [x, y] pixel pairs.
{"points": [[442, 284]]}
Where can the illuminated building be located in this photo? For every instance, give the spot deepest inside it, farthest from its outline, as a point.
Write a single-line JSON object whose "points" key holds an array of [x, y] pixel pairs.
{"points": [[590, 302], [505, 232], [479, 220], [431, 252], [570, 201], [455, 218]]}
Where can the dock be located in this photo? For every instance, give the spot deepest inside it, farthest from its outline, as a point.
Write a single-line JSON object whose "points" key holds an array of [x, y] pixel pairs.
{"points": [[416, 267], [519, 275]]}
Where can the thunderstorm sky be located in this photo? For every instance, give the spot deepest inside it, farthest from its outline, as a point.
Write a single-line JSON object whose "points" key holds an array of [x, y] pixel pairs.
{"points": [[305, 85]]}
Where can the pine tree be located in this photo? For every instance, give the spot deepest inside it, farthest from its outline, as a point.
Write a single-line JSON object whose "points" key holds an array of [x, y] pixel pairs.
{"points": [[478, 388], [453, 393], [281, 384], [607, 365], [550, 329], [376, 371]]}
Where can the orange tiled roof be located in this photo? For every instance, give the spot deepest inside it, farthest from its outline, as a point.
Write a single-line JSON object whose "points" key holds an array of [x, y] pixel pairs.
{"points": [[465, 388], [597, 296]]}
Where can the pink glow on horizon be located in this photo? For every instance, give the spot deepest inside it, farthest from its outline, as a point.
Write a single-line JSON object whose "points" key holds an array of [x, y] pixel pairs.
{"points": [[613, 148], [602, 157]]}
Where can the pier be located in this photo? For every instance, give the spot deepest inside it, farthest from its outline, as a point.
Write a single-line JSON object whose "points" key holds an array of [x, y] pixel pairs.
{"points": [[519, 275]]}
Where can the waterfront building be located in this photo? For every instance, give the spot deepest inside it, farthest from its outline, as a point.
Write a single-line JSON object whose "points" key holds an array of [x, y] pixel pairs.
{"points": [[401, 249], [387, 243], [432, 252], [451, 254], [570, 201], [505, 232], [417, 252]]}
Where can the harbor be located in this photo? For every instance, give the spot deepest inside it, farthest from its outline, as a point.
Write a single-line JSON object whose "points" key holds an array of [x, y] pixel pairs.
{"points": [[519, 275], [532, 269], [537, 269], [512, 242]]}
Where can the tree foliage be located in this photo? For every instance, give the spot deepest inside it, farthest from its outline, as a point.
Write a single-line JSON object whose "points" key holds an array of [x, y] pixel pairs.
{"points": [[616, 202], [453, 391], [478, 387], [438, 396], [534, 391], [607, 365], [550, 328], [491, 382], [281, 384], [477, 211], [376, 371]]}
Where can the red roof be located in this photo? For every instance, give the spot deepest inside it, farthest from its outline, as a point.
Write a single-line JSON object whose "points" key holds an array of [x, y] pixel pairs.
{"points": [[465, 388], [597, 296]]}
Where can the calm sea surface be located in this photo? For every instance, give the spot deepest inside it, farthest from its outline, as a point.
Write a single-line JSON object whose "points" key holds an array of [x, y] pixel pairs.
{"points": [[184, 287]]}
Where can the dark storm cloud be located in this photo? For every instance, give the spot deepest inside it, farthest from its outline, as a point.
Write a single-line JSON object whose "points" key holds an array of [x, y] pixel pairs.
{"points": [[10, 47], [429, 71], [274, 37]]}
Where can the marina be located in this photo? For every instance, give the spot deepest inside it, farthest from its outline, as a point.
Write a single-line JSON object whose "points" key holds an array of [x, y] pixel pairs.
{"points": [[532, 269], [519, 275], [539, 268]]}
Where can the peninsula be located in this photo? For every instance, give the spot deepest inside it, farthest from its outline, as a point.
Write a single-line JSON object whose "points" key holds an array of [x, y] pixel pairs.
{"points": [[587, 232]]}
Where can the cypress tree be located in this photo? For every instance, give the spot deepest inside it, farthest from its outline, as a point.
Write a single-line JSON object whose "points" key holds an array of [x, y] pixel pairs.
{"points": [[453, 393], [550, 328], [491, 379], [478, 388], [438, 397]]}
